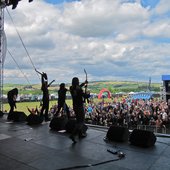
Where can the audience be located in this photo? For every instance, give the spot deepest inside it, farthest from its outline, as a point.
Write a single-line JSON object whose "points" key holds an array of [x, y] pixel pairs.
{"points": [[127, 112]]}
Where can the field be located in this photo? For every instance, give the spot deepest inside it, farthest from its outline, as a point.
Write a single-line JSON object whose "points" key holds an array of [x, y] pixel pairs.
{"points": [[22, 106]]}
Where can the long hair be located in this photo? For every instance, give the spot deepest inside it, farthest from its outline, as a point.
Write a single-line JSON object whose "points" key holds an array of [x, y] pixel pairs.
{"points": [[75, 81], [62, 85], [15, 91]]}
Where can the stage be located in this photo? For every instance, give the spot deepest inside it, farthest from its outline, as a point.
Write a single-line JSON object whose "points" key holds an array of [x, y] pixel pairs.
{"points": [[24, 147]]}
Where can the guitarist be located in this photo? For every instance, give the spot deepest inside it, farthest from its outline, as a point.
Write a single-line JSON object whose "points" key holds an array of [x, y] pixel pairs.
{"points": [[78, 107], [45, 99]]}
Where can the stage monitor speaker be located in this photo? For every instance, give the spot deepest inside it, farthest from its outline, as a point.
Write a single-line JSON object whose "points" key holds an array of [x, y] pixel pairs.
{"points": [[70, 125], [18, 116], [142, 138], [34, 119], [118, 134], [167, 85], [1, 113], [58, 123]]}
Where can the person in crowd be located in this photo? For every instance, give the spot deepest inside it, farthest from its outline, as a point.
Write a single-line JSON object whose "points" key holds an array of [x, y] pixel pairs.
{"points": [[33, 111], [61, 100], [78, 96], [45, 99], [12, 96], [34, 117]]}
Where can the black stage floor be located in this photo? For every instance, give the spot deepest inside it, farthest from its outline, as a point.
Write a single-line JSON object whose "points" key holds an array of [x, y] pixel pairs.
{"points": [[24, 147]]}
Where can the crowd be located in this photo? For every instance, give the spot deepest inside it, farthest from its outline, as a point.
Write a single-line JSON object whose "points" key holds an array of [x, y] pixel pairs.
{"points": [[127, 112]]}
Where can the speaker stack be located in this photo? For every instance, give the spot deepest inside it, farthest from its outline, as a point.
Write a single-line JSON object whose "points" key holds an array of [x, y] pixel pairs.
{"points": [[117, 134], [141, 138]]}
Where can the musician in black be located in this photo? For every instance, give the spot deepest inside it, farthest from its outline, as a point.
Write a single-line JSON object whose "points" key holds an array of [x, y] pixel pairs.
{"points": [[12, 95], [78, 96], [61, 100], [45, 99]]}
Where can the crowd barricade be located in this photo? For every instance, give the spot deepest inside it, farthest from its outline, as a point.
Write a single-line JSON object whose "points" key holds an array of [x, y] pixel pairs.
{"points": [[153, 128]]}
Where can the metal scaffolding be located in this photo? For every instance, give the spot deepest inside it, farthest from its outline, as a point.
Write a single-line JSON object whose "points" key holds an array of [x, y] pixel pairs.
{"points": [[2, 51]]}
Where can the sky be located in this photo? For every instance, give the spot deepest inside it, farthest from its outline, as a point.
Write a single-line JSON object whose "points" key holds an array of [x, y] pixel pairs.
{"points": [[115, 40]]}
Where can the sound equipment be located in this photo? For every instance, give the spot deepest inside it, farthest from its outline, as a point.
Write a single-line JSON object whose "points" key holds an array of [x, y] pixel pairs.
{"points": [[142, 138], [34, 119], [58, 123], [167, 85], [17, 116], [70, 125], [117, 134], [1, 113]]}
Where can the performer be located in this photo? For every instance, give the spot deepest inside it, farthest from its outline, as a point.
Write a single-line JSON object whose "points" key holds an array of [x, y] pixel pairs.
{"points": [[78, 107], [45, 99], [61, 100], [12, 95]]}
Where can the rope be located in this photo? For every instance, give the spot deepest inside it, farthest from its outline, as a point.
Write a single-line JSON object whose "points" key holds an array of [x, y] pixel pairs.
{"points": [[22, 42], [18, 66]]}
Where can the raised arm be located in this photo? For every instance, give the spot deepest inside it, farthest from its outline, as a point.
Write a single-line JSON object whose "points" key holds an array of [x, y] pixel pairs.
{"points": [[38, 72]]}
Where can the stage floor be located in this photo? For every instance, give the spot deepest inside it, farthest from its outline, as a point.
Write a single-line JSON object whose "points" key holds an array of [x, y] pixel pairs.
{"points": [[24, 147]]}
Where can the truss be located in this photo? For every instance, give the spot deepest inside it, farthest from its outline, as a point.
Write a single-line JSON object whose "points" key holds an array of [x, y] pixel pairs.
{"points": [[2, 51]]}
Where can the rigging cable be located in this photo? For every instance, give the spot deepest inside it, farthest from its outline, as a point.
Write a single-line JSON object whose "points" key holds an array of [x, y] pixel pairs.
{"points": [[22, 42], [18, 66]]}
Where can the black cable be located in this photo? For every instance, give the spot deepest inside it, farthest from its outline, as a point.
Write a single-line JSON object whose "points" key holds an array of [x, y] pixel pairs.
{"points": [[18, 66], [90, 165], [22, 41]]}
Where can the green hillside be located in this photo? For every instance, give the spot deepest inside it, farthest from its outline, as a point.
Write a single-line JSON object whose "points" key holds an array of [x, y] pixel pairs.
{"points": [[94, 87]]}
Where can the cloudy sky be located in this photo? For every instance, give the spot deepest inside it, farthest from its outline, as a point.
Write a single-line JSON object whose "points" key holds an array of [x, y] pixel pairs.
{"points": [[111, 39]]}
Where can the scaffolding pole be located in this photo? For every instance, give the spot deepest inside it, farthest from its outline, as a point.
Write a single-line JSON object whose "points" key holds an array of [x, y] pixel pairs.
{"points": [[2, 52]]}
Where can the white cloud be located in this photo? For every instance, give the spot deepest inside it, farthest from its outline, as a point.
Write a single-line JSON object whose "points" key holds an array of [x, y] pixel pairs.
{"points": [[114, 40]]}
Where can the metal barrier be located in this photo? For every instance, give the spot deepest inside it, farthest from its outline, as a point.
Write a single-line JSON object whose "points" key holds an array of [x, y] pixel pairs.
{"points": [[153, 128]]}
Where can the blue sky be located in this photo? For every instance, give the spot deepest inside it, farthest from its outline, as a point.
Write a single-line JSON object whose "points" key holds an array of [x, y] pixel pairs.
{"points": [[59, 1], [117, 40], [151, 3], [145, 3]]}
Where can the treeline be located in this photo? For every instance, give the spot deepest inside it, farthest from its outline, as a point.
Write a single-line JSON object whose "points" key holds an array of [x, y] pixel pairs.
{"points": [[94, 87]]}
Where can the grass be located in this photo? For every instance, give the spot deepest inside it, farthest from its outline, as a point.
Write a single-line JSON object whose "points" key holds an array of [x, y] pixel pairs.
{"points": [[22, 106]]}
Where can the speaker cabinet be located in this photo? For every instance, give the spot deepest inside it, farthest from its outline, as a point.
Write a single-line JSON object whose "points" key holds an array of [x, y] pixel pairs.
{"points": [[34, 119], [118, 134], [142, 138], [17, 116], [58, 123], [70, 125]]}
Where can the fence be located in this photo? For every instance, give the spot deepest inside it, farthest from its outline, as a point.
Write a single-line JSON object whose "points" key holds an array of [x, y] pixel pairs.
{"points": [[153, 128]]}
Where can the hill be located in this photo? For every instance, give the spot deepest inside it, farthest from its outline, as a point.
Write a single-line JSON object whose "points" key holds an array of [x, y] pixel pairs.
{"points": [[94, 87]]}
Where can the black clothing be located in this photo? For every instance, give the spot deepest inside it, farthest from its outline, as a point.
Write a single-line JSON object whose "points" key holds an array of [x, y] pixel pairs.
{"points": [[78, 107], [45, 99], [61, 101], [12, 95]]}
